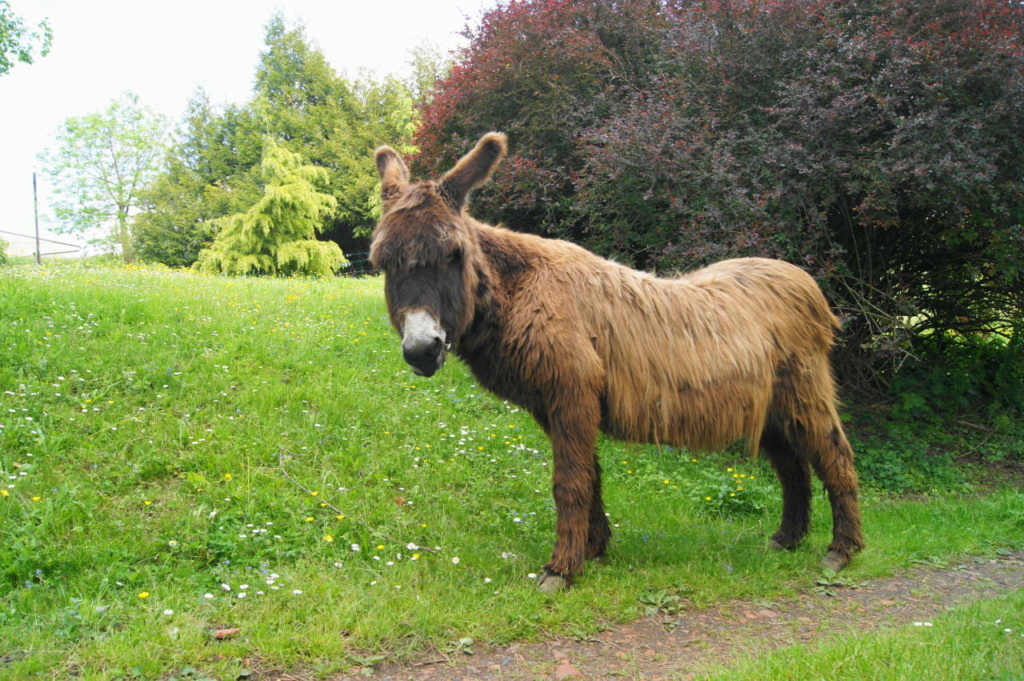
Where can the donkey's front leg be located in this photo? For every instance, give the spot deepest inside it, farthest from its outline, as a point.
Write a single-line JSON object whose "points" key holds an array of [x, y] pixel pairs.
{"points": [[572, 426]]}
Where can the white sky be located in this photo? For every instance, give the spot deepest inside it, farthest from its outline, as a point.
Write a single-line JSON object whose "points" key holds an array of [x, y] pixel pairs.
{"points": [[163, 51]]}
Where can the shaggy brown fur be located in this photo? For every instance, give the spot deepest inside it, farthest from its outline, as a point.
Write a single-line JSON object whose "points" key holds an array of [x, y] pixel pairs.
{"points": [[736, 350]]}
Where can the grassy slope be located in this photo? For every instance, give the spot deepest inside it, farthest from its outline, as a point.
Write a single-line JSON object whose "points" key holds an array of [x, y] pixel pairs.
{"points": [[182, 453]]}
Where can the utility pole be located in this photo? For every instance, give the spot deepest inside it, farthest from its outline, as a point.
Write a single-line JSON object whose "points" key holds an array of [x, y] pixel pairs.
{"points": [[35, 208]]}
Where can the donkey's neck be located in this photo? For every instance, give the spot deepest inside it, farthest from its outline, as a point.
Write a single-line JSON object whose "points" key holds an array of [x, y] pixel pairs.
{"points": [[499, 264]]}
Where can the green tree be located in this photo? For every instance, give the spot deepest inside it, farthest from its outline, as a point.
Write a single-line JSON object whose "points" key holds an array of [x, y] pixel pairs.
{"points": [[98, 166], [206, 175], [214, 166], [19, 43], [277, 235], [331, 122]]}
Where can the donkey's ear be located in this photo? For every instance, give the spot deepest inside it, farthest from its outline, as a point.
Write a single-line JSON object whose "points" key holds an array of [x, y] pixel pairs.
{"points": [[473, 169], [394, 176]]}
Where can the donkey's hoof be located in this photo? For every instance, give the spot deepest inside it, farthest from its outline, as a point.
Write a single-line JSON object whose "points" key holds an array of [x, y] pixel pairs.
{"points": [[552, 582], [834, 561], [776, 545]]}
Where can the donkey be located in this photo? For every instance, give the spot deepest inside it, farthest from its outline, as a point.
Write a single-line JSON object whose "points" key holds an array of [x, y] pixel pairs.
{"points": [[739, 349]]}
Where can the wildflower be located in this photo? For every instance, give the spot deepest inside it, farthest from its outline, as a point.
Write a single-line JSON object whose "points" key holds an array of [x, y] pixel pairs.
{"points": [[228, 476], [340, 517], [356, 547], [309, 519], [415, 556], [144, 594], [728, 470], [3, 492], [328, 538], [36, 498], [147, 502], [380, 546], [707, 498], [168, 612], [207, 596], [172, 543], [455, 560]]}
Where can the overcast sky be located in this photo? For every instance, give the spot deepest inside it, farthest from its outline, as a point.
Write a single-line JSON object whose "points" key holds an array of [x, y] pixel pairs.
{"points": [[163, 51]]}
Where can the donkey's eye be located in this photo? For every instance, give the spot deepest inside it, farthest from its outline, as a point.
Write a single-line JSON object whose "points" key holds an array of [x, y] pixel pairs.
{"points": [[455, 256]]}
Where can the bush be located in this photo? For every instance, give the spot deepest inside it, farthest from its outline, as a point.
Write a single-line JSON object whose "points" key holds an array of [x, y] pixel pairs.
{"points": [[875, 143]]}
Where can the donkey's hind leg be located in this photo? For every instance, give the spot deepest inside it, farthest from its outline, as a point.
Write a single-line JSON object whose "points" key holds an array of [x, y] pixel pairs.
{"points": [[832, 458], [794, 475], [599, 532]]}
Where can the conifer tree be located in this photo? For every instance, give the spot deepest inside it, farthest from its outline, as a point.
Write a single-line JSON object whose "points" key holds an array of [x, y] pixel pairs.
{"points": [[277, 235]]}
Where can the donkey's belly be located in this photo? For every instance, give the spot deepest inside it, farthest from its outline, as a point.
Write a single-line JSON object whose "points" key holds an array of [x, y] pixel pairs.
{"points": [[699, 420]]}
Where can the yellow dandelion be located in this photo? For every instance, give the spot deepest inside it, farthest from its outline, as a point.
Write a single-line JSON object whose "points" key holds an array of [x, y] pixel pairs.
{"points": [[707, 498], [728, 470], [340, 517], [328, 538], [144, 594], [36, 498], [3, 492], [309, 519], [228, 476]]}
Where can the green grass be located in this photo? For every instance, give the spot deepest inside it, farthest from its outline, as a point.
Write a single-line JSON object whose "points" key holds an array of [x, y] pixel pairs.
{"points": [[182, 453], [981, 641]]}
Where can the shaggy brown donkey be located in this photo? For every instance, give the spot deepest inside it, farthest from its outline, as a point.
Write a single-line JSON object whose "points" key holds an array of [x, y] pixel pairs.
{"points": [[737, 350]]}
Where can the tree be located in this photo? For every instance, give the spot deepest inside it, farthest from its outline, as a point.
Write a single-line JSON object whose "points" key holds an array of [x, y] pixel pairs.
{"points": [[18, 43], [214, 167], [544, 72], [277, 235], [206, 176], [876, 143], [331, 122], [100, 163]]}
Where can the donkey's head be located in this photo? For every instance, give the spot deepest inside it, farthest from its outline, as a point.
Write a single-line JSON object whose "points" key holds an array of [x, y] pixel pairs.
{"points": [[427, 246]]}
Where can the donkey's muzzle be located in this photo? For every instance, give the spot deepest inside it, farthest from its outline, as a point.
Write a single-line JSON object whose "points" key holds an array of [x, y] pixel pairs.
{"points": [[425, 359], [423, 341]]}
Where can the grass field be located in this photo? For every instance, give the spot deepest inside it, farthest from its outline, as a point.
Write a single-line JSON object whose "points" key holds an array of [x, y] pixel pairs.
{"points": [[183, 453]]}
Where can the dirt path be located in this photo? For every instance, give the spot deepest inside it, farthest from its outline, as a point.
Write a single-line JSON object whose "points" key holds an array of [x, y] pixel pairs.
{"points": [[696, 641]]}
